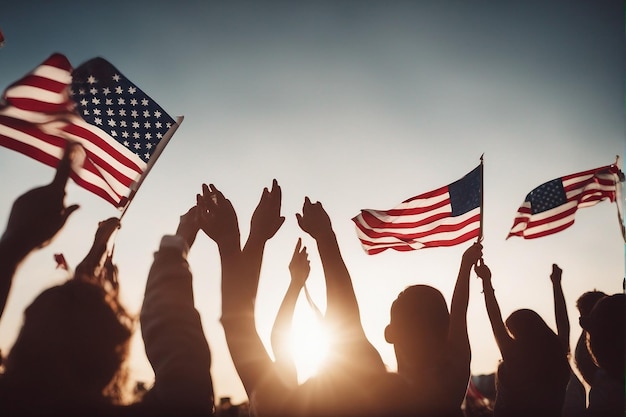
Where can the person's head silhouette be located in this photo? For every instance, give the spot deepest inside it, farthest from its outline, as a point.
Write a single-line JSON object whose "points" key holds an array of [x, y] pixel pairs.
{"points": [[73, 341], [419, 325]]}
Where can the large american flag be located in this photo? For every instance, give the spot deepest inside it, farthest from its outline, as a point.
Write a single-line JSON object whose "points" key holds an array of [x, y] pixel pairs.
{"points": [[446, 216], [120, 128], [551, 207]]}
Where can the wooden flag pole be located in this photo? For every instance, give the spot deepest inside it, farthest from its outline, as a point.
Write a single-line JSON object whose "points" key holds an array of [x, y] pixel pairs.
{"points": [[157, 152]]}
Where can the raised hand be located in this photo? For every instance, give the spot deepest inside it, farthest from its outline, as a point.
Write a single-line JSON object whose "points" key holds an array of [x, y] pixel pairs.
{"points": [[472, 255], [482, 270], [555, 276], [189, 225], [314, 220], [217, 216], [38, 215], [266, 219], [97, 264], [300, 266]]}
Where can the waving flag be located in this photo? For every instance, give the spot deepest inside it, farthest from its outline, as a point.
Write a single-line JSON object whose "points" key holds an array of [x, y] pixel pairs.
{"points": [[121, 129], [446, 216], [551, 207]]}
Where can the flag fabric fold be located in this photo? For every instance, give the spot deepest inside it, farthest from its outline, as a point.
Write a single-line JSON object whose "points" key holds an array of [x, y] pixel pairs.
{"points": [[551, 207], [447, 216], [117, 124]]}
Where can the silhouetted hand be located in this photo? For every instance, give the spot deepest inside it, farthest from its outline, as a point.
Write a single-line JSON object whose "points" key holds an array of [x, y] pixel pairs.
{"points": [[189, 225], [266, 219], [472, 255], [555, 276], [482, 270], [217, 216], [38, 215], [314, 219], [299, 267], [94, 266]]}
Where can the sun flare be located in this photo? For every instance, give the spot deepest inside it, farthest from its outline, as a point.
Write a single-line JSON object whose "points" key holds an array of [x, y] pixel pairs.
{"points": [[309, 344]]}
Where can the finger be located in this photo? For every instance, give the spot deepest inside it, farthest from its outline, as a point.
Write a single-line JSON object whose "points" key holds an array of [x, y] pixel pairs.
{"points": [[64, 168], [69, 210], [297, 249], [299, 219]]}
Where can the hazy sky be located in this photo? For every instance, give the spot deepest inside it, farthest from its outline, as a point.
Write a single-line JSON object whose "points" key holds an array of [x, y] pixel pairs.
{"points": [[357, 105]]}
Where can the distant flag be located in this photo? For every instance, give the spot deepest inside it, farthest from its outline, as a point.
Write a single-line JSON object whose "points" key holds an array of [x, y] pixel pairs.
{"points": [[551, 207], [1, 39], [447, 216], [121, 129]]}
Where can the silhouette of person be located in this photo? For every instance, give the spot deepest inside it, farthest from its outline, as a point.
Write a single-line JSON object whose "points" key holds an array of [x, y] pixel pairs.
{"points": [[70, 355], [299, 268], [605, 340], [534, 371], [35, 219], [353, 380], [582, 357], [431, 345]]}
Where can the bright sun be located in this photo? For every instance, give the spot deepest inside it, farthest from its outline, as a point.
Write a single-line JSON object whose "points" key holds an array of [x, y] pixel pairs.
{"points": [[309, 343]]}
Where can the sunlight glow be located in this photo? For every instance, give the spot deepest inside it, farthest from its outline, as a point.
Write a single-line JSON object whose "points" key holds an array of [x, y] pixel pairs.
{"points": [[309, 344]]}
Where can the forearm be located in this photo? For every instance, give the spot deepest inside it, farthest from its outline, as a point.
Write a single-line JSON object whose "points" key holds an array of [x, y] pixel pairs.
{"points": [[283, 322], [10, 259], [457, 333], [173, 336], [495, 317], [341, 301], [560, 313]]}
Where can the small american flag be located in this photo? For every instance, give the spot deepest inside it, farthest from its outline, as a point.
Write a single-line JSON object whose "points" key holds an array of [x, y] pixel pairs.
{"points": [[120, 128], [446, 216], [551, 207]]}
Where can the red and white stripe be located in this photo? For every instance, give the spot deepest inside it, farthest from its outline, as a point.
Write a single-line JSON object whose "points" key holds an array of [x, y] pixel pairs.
{"points": [[419, 222], [37, 120], [583, 189]]}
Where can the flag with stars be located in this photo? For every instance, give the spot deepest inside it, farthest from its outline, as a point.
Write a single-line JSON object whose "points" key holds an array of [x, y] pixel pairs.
{"points": [[121, 129], [551, 207], [447, 216]]}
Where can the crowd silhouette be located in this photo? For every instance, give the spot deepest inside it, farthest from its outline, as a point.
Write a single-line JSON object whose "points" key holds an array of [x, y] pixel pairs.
{"points": [[70, 356]]}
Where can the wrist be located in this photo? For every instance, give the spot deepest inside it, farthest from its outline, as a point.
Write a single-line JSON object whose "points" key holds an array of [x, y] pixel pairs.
{"points": [[11, 251]]}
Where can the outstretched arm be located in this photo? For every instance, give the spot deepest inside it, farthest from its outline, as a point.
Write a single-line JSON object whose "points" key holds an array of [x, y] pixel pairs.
{"points": [[240, 275], [299, 268], [342, 311], [35, 219], [172, 330], [503, 339], [457, 333], [560, 309]]}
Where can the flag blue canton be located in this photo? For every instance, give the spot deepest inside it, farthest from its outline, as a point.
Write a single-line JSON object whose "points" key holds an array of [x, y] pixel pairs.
{"points": [[547, 196], [111, 102], [465, 193]]}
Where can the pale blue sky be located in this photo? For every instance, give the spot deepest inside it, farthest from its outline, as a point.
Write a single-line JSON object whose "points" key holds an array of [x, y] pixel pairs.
{"points": [[355, 104]]}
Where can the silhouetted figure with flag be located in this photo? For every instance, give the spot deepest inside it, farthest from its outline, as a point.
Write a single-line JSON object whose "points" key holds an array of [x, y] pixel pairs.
{"points": [[431, 345], [70, 355], [534, 371]]}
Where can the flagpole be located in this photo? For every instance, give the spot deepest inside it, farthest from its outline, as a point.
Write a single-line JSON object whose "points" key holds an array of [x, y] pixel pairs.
{"points": [[618, 197], [480, 233], [153, 158]]}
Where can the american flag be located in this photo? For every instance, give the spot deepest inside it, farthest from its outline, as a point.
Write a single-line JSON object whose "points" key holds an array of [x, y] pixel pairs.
{"points": [[120, 128], [446, 216], [551, 207]]}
